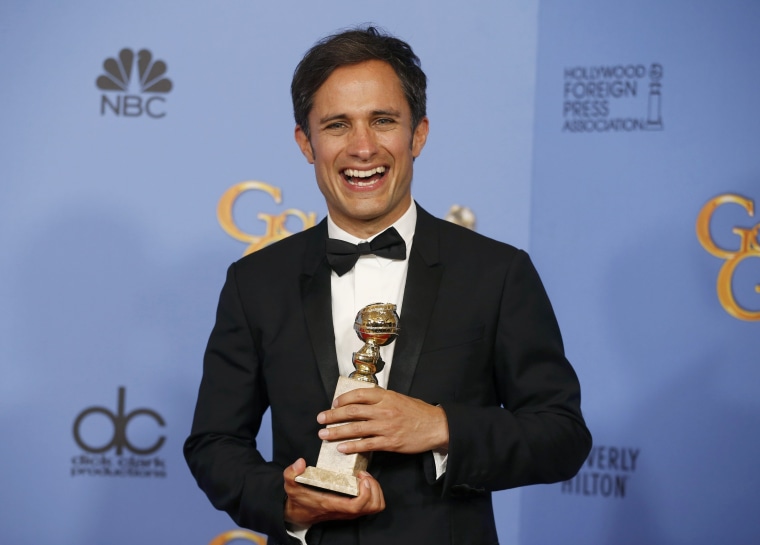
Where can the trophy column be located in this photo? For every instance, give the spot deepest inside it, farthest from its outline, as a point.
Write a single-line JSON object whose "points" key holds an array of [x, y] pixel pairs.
{"points": [[376, 325]]}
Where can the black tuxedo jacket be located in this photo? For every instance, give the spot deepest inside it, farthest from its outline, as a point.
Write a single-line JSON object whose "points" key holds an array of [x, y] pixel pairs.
{"points": [[478, 336]]}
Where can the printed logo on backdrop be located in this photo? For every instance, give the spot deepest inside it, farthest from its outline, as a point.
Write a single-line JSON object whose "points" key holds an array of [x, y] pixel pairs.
{"points": [[612, 98], [276, 225], [118, 443], [737, 277], [134, 85], [606, 473], [239, 537]]}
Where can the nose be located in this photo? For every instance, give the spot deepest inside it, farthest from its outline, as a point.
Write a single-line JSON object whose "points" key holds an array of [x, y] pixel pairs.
{"points": [[362, 143]]}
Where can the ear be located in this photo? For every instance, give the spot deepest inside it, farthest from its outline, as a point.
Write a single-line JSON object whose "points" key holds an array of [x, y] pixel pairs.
{"points": [[420, 136], [303, 142]]}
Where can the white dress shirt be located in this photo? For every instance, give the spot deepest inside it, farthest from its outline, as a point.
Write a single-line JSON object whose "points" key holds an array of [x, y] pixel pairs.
{"points": [[372, 280]]}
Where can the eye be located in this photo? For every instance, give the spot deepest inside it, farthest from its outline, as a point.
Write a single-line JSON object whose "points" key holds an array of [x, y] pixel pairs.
{"points": [[385, 122], [335, 128]]}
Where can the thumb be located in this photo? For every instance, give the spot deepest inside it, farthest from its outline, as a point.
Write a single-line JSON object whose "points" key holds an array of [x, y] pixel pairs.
{"points": [[294, 470]]}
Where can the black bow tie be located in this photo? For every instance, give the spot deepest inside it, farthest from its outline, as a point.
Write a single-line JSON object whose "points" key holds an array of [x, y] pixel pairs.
{"points": [[342, 255]]}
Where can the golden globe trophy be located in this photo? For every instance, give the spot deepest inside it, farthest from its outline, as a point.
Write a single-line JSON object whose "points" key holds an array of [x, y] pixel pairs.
{"points": [[376, 325]]}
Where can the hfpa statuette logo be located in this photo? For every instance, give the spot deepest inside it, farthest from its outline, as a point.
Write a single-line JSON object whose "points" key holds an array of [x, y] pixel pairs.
{"points": [[276, 224], [729, 286], [133, 97]]}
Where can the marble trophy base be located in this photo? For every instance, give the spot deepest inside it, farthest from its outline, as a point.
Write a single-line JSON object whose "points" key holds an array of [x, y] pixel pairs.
{"points": [[337, 471]]}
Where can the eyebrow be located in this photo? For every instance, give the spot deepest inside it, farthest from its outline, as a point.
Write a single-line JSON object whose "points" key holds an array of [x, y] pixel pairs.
{"points": [[373, 113]]}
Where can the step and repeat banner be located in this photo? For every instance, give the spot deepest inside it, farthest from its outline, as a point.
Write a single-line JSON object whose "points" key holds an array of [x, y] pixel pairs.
{"points": [[144, 147], [147, 145], [644, 224]]}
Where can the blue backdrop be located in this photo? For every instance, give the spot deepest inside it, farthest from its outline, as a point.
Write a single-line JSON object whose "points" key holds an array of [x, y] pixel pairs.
{"points": [[645, 112], [593, 134]]}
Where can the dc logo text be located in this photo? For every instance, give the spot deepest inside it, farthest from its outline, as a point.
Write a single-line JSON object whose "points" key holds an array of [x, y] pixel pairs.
{"points": [[120, 421]]}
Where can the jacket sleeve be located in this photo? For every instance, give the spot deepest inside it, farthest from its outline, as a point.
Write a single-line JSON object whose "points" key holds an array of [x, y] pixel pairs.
{"points": [[221, 450], [536, 433]]}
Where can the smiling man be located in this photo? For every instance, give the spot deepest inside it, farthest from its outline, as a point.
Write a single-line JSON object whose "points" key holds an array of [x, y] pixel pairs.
{"points": [[477, 393], [362, 142]]}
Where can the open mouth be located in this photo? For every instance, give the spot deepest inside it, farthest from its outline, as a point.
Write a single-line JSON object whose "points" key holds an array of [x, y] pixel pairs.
{"points": [[363, 178]]}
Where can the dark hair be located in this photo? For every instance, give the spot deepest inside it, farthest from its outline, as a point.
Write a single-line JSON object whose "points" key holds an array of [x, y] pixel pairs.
{"points": [[352, 47]]}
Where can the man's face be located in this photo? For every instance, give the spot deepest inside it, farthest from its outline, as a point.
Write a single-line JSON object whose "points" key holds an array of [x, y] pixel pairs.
{"points": [[362, 146]]}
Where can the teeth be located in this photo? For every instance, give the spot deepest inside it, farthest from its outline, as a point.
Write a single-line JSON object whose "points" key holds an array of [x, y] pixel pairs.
{"points": [[363, 173]]}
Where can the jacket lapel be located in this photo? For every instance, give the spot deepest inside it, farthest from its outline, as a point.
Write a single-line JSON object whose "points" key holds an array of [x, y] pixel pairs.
{"points": [[422, 282], [315, 296]]}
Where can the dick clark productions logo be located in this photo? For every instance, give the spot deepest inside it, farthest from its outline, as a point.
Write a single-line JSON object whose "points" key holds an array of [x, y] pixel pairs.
{"points": [[129, 96], [97, 459]]}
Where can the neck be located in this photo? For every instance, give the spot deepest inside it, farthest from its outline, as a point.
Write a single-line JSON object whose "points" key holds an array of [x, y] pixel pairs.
{"points": [[365, 229]]}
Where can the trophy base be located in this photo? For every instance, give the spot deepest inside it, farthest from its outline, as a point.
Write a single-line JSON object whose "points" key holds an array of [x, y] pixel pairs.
{"points": [[330, 480]]}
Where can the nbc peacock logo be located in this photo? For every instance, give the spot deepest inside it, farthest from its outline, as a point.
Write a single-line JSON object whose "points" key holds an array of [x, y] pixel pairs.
{"points": [[129, 96]]}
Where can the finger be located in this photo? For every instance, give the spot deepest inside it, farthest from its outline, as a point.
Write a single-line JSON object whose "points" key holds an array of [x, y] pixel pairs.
{"points": [[353, 412], [294, 470], [361, 396], [350, 430], [370, 493], [352, 447]]}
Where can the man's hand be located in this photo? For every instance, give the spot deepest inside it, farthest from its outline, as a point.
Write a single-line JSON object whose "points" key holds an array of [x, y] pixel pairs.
{"points": [[385, 420], [306, 506]]}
